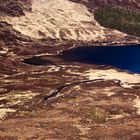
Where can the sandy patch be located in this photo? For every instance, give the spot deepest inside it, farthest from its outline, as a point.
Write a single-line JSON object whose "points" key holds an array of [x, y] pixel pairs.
{"points": [[127, 80]]}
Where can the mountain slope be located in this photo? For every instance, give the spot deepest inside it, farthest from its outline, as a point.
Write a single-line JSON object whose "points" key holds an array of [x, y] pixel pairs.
{"points": [[95, 4], [62, 20], [122, 19]]}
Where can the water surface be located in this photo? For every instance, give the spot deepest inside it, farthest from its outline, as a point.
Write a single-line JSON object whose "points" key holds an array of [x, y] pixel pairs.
{"points": [[122, 57]]}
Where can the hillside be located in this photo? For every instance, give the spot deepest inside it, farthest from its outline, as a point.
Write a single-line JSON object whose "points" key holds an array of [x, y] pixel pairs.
{"points": [[95, 4], [49, 90], [61, 20], [122, 15]]}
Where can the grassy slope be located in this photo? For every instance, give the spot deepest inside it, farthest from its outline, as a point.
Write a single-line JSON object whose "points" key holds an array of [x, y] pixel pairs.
{"points": [[127, 21]]}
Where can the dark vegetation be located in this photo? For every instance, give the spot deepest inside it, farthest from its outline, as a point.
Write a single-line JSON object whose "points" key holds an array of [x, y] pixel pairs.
{"points": [[14, 7], [125, 20]]}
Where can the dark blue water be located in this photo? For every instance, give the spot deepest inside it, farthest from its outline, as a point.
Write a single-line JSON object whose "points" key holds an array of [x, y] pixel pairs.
{"points": [[122, 57]]}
